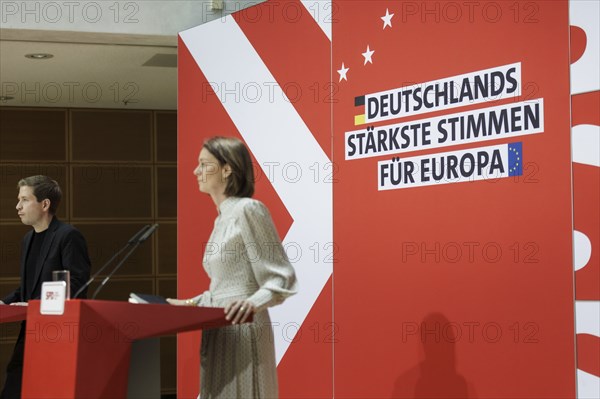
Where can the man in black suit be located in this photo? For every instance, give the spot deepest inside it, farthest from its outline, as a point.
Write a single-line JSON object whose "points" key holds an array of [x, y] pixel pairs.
{"points": [[50, 245]]}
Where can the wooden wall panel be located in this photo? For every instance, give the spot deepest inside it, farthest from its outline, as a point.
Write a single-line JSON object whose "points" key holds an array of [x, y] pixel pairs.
{"points": [[6, 349], [33, 134], [10, 249], [166, 137], [168, 364], [112, 191], [10, 331], [166, 179], [100, 135], [167, 287], [105, 240], [167, 249]]}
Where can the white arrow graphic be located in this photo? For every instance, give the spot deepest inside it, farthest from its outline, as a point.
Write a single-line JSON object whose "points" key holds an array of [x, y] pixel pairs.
{"points": [[286, 150]]}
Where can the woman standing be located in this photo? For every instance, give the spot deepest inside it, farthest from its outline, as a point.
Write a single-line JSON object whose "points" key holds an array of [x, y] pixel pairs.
{"points": [[248, 271]]}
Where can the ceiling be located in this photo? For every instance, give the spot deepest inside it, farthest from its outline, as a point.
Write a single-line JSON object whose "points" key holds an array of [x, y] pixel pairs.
{"points": [[101, 63], [88, 70]]}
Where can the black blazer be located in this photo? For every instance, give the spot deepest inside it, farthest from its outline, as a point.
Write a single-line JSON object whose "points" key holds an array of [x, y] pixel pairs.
{"points": [[64, 248]]}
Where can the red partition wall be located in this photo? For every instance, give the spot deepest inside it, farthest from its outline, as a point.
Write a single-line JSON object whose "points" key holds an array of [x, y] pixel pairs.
{"points": [[459, 286], [445, 284], [263, 75], [585, 118]]}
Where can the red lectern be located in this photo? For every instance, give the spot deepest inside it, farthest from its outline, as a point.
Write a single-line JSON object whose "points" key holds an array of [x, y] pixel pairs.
{"points": [[12, 313], [85, 352]]}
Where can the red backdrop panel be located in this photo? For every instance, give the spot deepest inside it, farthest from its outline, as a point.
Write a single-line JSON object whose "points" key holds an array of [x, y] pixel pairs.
{"points": [[297, 54], [466, 289]]}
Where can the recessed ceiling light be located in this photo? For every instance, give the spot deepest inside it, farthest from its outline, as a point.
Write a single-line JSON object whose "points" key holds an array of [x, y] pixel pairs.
{"points": [[6, 98], [39, 56]]}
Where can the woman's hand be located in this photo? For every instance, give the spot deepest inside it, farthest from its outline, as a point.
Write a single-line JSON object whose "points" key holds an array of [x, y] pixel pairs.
{"points": [[182, 302], [238, 311]]}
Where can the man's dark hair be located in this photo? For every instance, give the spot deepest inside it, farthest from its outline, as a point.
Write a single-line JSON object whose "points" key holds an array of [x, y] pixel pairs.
{"points": [[43, 188]]}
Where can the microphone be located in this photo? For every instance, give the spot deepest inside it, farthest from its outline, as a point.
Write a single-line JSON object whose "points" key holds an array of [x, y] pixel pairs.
{"points": [[137, 235], [135, 238], [148, 232]]}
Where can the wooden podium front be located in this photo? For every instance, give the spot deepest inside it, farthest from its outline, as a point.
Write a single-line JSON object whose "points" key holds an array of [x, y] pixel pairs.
{"points": [[85, 353]]}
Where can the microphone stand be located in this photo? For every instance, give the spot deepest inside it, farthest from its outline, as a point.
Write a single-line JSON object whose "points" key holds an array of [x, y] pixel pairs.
{"points": [[131, 241], [144, 237]]}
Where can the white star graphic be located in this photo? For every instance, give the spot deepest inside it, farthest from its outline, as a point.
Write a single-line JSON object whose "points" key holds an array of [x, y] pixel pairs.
{"points": [[343, 72], [368, 54], [387, 19]]}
